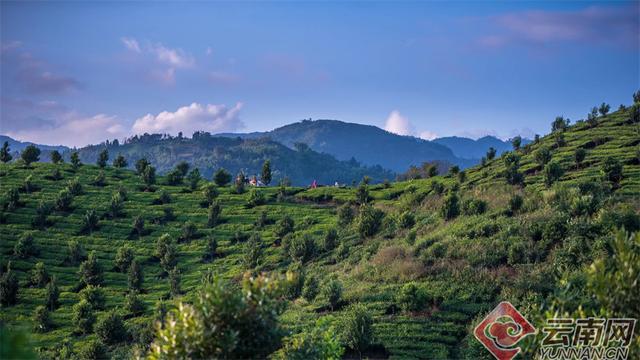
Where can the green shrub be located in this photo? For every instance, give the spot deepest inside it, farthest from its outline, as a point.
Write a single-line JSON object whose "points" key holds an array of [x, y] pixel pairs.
{"points": [[120, 162], [411, 298], [90, 221], [621, 216], [302, 248], [163, 198], [135, 276], [124, 256], [110, 328], [83, 317], [174, 282], [52, 293], [332, 292], [252, 251], [256, 198], [174, 177], [28, 185], [211, 250], [8, 287], [214, 213], [116, 206], [25, 247], [90, 272], [209, 192], [133, 304], [149, 177], [542, 156], [103, 157], [137, 227], [166, 252], [94, 295], [13, 199], [612, 171], [39, 275], [515, 203], [75, 161], [368, 220], [189, 231], [474, 207], [74, 187], [92, 350], [330, 239], [30, 154], [284, 226], [75, 252], [221, 177], [450, 208], [357, 328], [345, 214], [100, 179], [319, 342], [310, 288], [553, 171], [41, 320], [406, 219], [194, 179], [239, 184]]}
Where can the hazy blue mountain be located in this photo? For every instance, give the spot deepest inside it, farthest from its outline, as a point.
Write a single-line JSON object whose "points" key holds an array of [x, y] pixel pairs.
{"points": [[367, 144], [17, 146], [475, 149]]}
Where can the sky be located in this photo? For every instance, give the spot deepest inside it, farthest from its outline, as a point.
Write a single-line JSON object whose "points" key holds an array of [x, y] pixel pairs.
{"points": [[75, 73]]}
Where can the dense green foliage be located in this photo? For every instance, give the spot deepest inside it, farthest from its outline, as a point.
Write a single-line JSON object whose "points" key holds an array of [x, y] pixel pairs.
{"points": [[405, 270]]}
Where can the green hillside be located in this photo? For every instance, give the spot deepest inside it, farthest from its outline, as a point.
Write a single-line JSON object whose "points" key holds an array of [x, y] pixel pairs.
{"points": [[466, 242], [209, 153]]}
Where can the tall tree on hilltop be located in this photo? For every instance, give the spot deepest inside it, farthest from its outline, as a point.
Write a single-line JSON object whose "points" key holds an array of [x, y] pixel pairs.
{"points": [[266, 172]]}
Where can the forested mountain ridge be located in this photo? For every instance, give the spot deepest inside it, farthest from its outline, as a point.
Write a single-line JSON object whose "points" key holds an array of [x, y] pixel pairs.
{"points": [[401, 269], [209, 153]]}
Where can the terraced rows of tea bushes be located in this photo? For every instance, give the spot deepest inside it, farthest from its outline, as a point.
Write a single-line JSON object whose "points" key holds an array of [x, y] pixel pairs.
{"points": [[463, 242]]}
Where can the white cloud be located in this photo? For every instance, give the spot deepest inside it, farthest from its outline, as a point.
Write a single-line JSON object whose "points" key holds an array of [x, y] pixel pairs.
{"points": [[131, 44], [160, 62], [172, 57], [427, 135], [188, 119], [398, 124]]}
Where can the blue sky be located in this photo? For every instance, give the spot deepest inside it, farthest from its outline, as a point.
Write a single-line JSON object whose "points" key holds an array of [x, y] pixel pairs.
{"points": [[78, 73]]}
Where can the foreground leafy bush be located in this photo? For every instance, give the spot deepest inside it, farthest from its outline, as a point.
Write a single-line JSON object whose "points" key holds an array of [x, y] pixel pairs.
{"points": [[224, 322]]}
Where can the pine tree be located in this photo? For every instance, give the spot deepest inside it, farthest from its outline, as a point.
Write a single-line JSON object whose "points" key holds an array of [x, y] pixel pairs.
{"points": [[266, 172], [103, 157]]}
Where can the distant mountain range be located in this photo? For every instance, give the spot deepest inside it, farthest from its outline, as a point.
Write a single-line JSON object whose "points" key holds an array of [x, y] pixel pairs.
{"points": [[374, 146], [17, 146], [323, 150]]}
